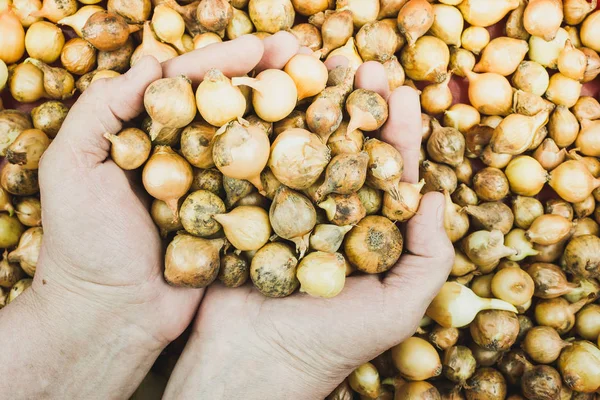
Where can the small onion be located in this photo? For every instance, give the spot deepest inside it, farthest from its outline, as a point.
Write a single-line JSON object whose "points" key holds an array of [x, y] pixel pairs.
{"points": [[273, 270], [322, 274], [416, 359], [44, 41], [579, 366]]}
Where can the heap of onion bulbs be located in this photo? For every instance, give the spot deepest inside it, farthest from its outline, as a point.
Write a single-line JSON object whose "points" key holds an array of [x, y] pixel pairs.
{"points": [[279, 179]]}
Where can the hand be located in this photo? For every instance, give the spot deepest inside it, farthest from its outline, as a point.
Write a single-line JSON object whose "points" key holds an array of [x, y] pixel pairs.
{"points": [[245, 345], [99, 286]]}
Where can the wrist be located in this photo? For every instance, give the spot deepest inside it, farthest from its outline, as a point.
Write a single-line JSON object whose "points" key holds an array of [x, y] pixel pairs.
{"points": [[63, 346]]}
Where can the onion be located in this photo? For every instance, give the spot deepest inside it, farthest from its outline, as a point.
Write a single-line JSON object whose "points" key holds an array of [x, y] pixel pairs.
{"points": [[19, 181], [176, 113], [557, 313], [197, 144], [444, 338], [292, 217], [198, 211], [541, 382], [437, 98], [514, 24], [512, 365], [464, 171], [549, 229], [77, 21], [365, 381], [6, 202], [28, 251], [502, 56], [516, 132], [343, 209], [531, 77], [374, 245], [462, 265], [475, 39], [560, 207], [10, 273], [297, 119], [549, 155], [368, 110], [589, 38], [169, 26], [491, 216], [543, 344], [416, 359], [526, 176], [271, 15], [18, 289], [308, 35], [573, 181], [486, 383], [487, 12], [23, 10], [192, 262], [579, 366], [28, 148], [586, 108], [490, 184], [526, 210], [371, 199], [563, 90], [44, 41], [78, 56], [543, 18], [478, 138], [427, 60], [513, 285], [106, 31], [385, 166], [587, 322], [407, 204], [322, 274], [563, 127], [342, 392], [486, 248], [585, 226], [576, 10], [517, 240], [202, 40], [481, 88], [234, 270], [246, 227], [167, 176], [376, 41], [587, 140], [55, 10], [593, 65], [495, 330], [572, 62], [345, 174], [448, 24], [130, 148], [104, 74], [133, 12], [438, 177], [298, 158], [26, 83], [274, 94], [530, 104], [3, 77], [457, 306], [343, 142], [462, 117], [12, 123], [456, 222], [166, 220], [273, 270], [337, 29], [218, 101], [461, 60], [235, 190], [446, 145], [58, 83], [12, 38], [414, 19], [580, 257], [11, 230], [417, 390], [308, 73], [152, 47], [328, 238], [485, 358], [363, 11], [550, 281]]}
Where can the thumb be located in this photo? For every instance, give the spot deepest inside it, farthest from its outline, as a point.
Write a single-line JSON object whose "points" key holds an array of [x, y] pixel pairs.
{"points": [[413, 283], [101, 109]]}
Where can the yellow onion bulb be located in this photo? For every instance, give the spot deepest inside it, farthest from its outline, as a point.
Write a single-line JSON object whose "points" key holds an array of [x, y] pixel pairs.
{"points": [[573, 181], [427, 60], [246, 227], [579, 365], [12, 37], [526, 176], [589, 31], [416, 359], [26, 83], [219, 102], [309, 74], [322, 274]]}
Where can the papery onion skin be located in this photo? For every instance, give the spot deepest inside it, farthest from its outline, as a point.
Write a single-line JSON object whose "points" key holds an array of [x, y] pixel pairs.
{"points": [[218, 101], [495, 330], [273, 270], [166, 220], [106, 31], [486, 13], [374, 245], [197, 144], [541, 382], [19, 181], [573, 181], [11, 230]]}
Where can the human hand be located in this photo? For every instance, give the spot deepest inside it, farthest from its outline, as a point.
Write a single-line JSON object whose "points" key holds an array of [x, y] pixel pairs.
{"points": [[244, 345], [99, 285]]}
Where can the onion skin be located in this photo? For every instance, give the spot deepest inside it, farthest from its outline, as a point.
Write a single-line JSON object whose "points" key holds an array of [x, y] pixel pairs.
{"points": [[18, 289], [374, 245], [234, 270], [165, 219], [416, 359], [480, 88], [588, 32], [218, 101], [12, 42], [10, 273], [11, 230], [385, 166], [587, 322], [28, 251], [273, 270], [486, 13], [322, 274], [192, 262], [78, 56], [572, 181], [502, 56], [19, 181], [417, 390], [246, 227], [557, 313], [581, 257], [459, 364], [197, 144], [427, 60], [550, 281], [130, 148], [345, 174], [541, 382], [271, 16], [579, 366], [543, 344], [549, 229], [197, 213], [495, 330], [292, 217], [106, 31], [414, 20], [486, 384]]}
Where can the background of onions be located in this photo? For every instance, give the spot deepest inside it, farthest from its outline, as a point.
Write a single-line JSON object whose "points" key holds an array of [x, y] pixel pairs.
{"points": [[464, 367]]}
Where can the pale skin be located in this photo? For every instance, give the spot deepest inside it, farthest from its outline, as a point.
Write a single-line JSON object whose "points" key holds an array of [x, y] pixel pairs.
{"points": [[99, 312]]}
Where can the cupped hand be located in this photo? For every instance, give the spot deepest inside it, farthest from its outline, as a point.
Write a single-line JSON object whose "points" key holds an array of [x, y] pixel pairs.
{"points": [[245, 345], [101, 263]]}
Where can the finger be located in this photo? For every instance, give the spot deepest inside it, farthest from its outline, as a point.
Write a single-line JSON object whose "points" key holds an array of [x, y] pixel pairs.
{"points": [[233, 58], [101, 109], [418, 276], [336, 61], [403, 129], [372, 76], [279, 48]]}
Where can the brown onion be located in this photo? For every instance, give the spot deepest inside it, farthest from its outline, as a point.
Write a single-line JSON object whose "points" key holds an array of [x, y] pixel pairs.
{"points": [[579, 366], [495, 330], [416, 359], [486, 383], [28, 251], [557, 313], [427, 60]]}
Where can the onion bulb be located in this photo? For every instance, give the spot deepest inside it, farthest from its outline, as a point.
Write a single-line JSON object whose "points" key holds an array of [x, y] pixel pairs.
{"points": [[197, 144], [308, 73], [587, 141], [502, 56], [543, 18], [513, 285], [26, 83], [456, 222], [465, 196], [427, 60], [457, 306], [444, 338], [18, 289], [406, 205], [593, 65], [517, 240], [526, 176], [215, 15], [385, 166], [55, 10], [531, 77], [10, 273], [19, 181], [106, 31], [12, 38], [368, 110], [192, 262], [487, 12], [557, 313], [462, 117], [587, 322], [438, 177], [437, 98], [462, 265], [169, 26], [495, 330], [298, 158], [167, 176], [246, 227], [560, 207], [376, 41], [572, 62], [11, 231], [446, 145], [292, 217], [549, 229], [586, 108], [44, 41], [130, 148], [28, 251], [576, 10], [6, 202], [164, 218], [491, 184], [274, 94], [563, 90], [475, 39], [363, 11], [58, 83], [202, 40], [573, 181], [514, 23], [343, 209], [414, 19], [461, 60], [273, 270], [178, 112], [365, 381], [77, 21], [549, 155], [345, 174], [550, 281], [543, 344], [343, 142], [541, 382], [328, 238], [563, 126], [486, 383], [28, 148], [516, 132], [416, 359], [371, 199], [150, 46], [579, 366], [337, 29], [374, 245], [271, 16], [486, 248], [23, 10], [234, 270], [218, 101], [491, 216], [416, 390], [490, 93], [585, 226], [78, 56], [448, 24], [197, 213], [546, 53], [322, 274], [588, 32], [3, 75], [580, 257]]}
